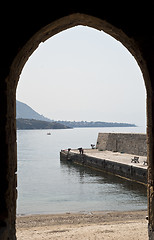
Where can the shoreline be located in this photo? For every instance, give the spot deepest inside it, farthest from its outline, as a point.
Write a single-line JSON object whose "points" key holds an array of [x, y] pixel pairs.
{"points": [[88, 225], [79, 212]]}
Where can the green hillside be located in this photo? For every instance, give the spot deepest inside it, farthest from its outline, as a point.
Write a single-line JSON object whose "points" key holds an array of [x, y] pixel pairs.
{"points": [[38, 124]]}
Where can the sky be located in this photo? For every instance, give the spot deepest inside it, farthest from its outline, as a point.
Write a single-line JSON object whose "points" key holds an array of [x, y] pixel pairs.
{"points": [[84, 74]]}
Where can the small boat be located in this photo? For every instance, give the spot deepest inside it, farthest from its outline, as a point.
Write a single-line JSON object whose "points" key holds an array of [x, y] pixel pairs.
{"points": [[48, 133]]}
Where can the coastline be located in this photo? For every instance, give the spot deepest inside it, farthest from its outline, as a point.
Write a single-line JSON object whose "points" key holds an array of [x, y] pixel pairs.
{"points": [[92, 225]]}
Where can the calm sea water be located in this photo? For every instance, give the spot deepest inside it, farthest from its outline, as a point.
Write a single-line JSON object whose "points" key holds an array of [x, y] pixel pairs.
{"points": [[46, 185]]}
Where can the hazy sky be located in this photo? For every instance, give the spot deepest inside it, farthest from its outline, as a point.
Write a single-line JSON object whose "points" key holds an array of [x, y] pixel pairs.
{"points": [[84, 74]]}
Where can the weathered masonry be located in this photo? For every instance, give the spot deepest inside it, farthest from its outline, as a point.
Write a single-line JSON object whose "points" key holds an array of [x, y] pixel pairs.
{"points": [[123, 142], [23, 28]]}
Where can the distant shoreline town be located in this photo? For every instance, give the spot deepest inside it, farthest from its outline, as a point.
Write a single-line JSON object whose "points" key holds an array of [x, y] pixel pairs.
{"points": [[27, 118], [82, 124]]}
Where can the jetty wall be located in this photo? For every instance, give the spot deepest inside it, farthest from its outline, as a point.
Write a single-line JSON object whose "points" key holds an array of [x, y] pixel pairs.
{"points": [[123, 142], [129, 172]]}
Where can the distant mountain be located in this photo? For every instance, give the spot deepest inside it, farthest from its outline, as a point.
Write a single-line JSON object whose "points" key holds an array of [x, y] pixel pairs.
{"points": [[26, 112], [38, 124], [23, 111]]}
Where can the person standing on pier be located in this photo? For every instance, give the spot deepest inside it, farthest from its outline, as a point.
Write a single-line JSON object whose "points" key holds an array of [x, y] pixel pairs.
{"points": [[80, 150]]}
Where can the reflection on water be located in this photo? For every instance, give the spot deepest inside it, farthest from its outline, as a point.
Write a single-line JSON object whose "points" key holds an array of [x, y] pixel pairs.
{"points": [[119, 193]]}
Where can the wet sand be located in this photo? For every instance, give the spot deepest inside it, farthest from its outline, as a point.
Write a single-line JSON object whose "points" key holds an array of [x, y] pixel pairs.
{"points": [[84, 226]]}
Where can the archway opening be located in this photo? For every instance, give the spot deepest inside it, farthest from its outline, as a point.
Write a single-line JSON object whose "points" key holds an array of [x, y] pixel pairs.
{"points": [[97, 82]]}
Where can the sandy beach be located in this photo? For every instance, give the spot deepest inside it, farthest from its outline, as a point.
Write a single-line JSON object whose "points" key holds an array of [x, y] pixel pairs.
{"points": [[130, 225]]}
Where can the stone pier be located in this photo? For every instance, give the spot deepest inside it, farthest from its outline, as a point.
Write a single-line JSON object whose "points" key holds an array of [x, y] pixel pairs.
{"points": [[115, 163]]}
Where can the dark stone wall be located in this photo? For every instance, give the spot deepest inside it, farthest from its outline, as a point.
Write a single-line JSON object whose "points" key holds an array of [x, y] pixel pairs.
{"points": [[23, 27]]}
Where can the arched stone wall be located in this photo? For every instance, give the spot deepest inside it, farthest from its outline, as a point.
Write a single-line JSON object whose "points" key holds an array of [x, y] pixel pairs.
{"points": [[8, 165]]}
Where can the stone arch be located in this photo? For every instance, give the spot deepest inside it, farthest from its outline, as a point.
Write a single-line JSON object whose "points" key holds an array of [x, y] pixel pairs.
{"points": [[8, 193], [71, 21]]}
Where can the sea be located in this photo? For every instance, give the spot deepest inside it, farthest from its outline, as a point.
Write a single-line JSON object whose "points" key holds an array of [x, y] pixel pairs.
{"points": [[47, 185]]}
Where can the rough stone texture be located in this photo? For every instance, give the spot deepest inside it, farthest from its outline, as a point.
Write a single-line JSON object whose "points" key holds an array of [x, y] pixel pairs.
{"points": [[150, 233], [123, 142], [23, 28]]}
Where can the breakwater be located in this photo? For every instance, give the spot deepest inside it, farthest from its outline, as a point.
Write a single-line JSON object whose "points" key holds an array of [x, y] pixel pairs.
{"points": [[131, 143], [113, 154], [119, 164]]}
